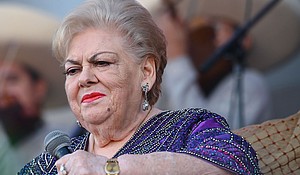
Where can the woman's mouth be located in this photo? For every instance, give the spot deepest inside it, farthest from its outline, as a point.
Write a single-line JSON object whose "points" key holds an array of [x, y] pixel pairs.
{"points": [[91, 97]]}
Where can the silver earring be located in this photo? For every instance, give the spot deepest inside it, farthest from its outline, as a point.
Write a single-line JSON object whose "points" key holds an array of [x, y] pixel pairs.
{"points": [[78, 123], [145, 89]]}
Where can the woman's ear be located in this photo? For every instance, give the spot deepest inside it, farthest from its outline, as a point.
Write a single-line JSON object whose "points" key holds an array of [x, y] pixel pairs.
{"points": [[149, 70]]}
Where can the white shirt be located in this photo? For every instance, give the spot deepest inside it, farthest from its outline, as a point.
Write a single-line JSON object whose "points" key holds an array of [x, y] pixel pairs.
{"points": [[181, 90]]}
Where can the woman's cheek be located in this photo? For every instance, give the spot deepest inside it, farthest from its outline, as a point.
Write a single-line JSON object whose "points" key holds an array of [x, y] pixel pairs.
{"points": [[72, 94]]}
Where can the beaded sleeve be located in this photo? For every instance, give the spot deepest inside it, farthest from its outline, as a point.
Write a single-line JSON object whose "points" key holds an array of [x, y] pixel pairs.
{"points": [[192, 131], [196, 132]]}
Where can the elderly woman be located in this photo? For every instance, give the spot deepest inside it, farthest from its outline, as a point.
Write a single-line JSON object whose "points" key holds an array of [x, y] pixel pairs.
{"points": [[114, 57]]}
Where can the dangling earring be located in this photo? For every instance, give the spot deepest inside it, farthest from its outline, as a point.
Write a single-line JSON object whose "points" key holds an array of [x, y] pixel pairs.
{"points": [[78, 123], [145, 89]]}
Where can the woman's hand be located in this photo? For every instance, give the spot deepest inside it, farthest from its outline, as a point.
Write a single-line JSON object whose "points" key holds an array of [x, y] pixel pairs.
{"points": [[81, 162]]}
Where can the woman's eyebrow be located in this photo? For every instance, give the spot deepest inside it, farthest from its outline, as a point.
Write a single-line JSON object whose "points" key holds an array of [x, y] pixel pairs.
{"points": [[71, 61], [93, 57]]}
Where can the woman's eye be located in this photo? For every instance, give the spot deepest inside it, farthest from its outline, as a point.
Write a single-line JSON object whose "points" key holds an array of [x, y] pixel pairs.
{"points": [[71, 71], [101, 63]]}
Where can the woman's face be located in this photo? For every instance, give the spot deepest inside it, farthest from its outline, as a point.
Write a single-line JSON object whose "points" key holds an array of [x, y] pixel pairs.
{"points": [[103, 81]]}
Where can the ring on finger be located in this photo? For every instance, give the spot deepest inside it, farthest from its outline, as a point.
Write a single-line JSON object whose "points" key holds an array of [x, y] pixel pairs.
{"points": [[63, 169]]}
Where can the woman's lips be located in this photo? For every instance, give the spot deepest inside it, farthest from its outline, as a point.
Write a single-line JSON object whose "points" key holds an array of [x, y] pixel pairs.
{"points": [[91, 97]]}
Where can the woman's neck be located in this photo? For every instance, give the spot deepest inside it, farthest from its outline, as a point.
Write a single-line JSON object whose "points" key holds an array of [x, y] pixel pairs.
{"points": [[110, 147], [107, 150]]}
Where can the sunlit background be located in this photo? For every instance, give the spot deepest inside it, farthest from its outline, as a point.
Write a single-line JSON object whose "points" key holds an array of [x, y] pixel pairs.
{"points": [[283, 79]]}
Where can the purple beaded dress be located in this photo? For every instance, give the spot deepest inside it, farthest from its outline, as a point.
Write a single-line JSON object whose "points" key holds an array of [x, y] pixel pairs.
{"points": [[192, 131]]}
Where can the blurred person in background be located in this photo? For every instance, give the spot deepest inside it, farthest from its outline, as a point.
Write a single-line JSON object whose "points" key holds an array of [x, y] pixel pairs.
{"points": [[30, 81], [22, 95], [219, 84], [190, 44]]}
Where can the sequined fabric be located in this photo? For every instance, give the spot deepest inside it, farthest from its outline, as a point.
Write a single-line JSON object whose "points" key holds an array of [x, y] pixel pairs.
{"points": [[192, 131]]}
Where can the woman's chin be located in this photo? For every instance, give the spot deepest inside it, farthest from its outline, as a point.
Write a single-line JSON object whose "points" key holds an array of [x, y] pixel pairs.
{"points": [[94, 117]]}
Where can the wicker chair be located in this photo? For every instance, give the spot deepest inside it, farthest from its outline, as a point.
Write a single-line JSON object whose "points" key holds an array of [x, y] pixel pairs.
{"points": [[277, 143]]}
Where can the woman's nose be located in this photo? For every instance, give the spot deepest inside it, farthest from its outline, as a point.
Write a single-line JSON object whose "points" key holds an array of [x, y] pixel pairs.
{"points": [[87, 77]]}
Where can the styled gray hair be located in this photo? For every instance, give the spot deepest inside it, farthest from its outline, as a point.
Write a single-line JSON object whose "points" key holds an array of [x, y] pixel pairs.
{"points": [[142, 36]]}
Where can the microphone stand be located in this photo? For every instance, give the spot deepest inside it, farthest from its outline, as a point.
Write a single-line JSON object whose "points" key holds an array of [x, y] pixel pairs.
{"points": [[233, 48]]}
